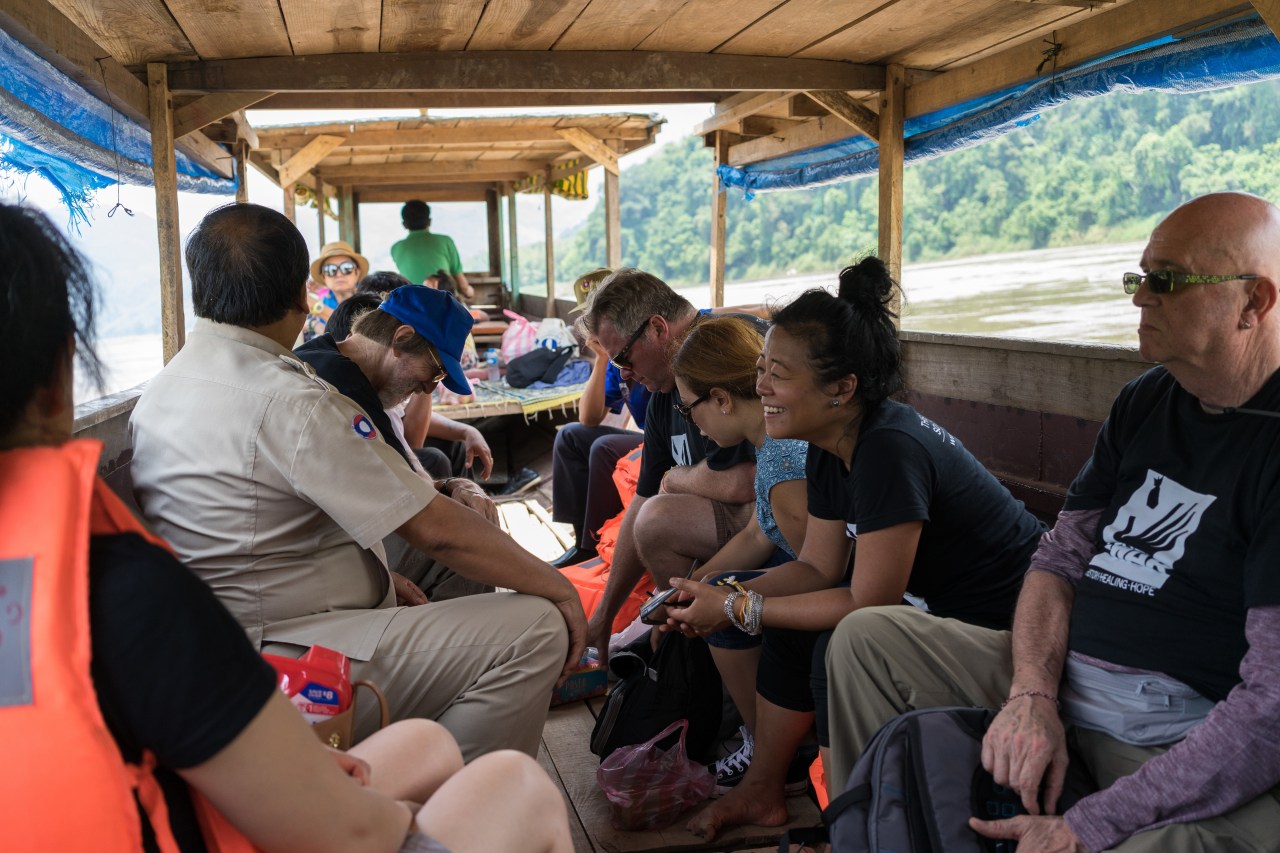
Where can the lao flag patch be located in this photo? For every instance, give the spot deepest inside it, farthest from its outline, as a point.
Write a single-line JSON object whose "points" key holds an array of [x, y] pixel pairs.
{"points": [[363, 427]]}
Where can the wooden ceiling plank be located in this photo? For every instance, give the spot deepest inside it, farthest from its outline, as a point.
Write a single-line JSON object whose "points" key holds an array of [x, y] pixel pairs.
{"points": [[845, 108], [407, 172], [610, 25], [134, 32], [475, 100], [1116, 29], [591, 146], [289, 137], [560, 71], [258, 27], [738, 107], [700, 26], [409, 25], [524, 24], [211, 108], [301, 163], [349, 26], [796, 25]]}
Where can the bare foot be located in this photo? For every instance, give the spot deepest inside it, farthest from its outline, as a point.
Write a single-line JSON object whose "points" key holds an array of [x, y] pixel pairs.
{"points": [[749, 802]]}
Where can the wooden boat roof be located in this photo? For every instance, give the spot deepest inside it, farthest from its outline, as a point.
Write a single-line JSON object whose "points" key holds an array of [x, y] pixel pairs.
{"points": [[459, 159], [786, 75]]}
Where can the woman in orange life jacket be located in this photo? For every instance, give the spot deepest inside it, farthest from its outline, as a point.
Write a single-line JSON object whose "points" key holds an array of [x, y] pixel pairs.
{"points": [[173, 680]]}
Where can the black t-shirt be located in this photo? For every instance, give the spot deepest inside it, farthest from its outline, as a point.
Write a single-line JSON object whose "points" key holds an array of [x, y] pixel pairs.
{"points": [[1190, 535], [976, 540], [670, 439], [332, 366], [174, 672]]}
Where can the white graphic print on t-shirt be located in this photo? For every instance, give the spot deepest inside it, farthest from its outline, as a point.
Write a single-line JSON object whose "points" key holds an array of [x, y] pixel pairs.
{"points": [[680, 449], [1149, 534]]}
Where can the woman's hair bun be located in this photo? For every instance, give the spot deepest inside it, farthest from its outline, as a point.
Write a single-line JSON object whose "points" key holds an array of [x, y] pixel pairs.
{"points": [[867, 284]]}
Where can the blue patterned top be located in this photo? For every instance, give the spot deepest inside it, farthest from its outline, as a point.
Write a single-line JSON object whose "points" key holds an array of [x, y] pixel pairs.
{"points": [[777, 461]]}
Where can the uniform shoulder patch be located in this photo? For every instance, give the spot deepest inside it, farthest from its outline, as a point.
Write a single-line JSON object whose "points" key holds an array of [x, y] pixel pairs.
{"points": [[363, 426]]}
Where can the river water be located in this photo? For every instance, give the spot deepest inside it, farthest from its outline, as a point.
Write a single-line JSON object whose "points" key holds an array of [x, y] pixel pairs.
{"points": [[1051, 294]]}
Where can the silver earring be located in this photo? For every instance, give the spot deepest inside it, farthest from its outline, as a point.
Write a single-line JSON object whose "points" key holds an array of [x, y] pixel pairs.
{"points": [[1245, 324], [835, 402], [724, 411]]}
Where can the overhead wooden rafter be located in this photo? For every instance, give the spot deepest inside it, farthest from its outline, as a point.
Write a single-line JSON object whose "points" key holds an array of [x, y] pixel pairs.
{"points": [[1270, 12], [526, 71], [302, 162], [211, 108], [850, 111], [738, 107], [591, 146]]}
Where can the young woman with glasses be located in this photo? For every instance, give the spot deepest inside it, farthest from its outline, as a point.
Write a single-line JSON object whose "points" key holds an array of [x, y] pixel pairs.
{"points": [[932, 527]]}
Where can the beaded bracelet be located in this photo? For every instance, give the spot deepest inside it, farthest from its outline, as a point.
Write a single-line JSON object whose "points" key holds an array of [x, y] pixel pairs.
{"points": [[755, 610], [1025, 693], [729, 602]]}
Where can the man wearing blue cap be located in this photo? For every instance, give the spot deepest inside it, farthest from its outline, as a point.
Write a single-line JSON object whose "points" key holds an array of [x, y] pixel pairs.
{"points": [[278, 490]]}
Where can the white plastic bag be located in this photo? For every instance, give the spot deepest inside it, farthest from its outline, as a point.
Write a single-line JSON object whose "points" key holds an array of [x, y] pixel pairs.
{"points": [[554, 334]]}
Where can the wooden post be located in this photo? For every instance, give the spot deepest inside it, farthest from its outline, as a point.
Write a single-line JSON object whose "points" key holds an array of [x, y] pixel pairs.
{"points": [[494, 217], [612, 219], [346, 214], [320, 206], [550, 244], [165, 173], [290, 208], [355, 220], [513, 249], [718, 200], [892, 113], [240, 150]]}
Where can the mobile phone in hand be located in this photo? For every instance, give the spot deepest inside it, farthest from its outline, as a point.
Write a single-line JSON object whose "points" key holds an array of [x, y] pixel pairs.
{"points": [[651, 606]]}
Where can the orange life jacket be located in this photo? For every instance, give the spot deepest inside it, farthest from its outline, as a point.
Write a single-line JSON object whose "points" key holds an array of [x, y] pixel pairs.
{"points": [[65, 784]]}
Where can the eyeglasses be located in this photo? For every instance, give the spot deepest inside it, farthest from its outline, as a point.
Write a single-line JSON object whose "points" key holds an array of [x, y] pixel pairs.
{"points": [[344, 268], [441, 373], [620, 360], [687, 411], [1162, 281]]}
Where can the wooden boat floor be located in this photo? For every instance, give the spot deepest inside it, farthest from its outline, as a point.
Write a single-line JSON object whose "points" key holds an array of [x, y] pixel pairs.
{"points": [[565, 755]]}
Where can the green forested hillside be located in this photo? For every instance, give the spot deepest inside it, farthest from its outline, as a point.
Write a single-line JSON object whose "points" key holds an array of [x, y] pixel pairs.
{"points": [[1093, 171]]}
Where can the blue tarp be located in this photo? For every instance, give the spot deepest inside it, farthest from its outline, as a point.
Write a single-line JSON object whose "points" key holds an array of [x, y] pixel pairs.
{"points": [[51, 125], [1241, 52]]}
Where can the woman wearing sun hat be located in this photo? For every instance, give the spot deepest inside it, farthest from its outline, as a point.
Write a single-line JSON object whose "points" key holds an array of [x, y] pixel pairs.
{"points": [[334, 274]]}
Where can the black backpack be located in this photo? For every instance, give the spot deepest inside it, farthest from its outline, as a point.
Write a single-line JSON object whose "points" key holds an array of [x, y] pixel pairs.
{"points": [[915, 787], [537, 364], [679, 681]]}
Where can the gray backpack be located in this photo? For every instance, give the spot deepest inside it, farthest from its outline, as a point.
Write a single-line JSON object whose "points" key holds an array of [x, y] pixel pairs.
{"points": [[915, 787]]}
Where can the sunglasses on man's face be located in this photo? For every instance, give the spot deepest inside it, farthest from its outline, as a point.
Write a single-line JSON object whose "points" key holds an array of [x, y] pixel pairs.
{"points": [[1162, 281], [441, 373], [687, 411], [621, 360], [344, 268]]}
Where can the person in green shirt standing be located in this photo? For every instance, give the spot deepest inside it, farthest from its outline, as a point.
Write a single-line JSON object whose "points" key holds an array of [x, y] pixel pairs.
{"points": [[421, 254]]}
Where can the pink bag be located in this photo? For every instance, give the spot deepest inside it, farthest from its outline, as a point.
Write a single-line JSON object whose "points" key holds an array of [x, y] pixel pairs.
{"points": [[648, 787], [519, 337]]}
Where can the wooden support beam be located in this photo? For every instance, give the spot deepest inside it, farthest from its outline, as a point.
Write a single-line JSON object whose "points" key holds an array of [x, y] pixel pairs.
{"points": [[399, 194], [164, 166], [346, 214], [892, 111], [212, 108], [513, 248], [522, 70], [474, 100], [851, 112], [355, 219], [809, 134], [718, 203], [737, 107], [433, 136], [590, 145], [612, 221], [426, 171], [302, 162], [241, 153], [289, 204], [1270, 12], [321, 204], [61, 43], [550, 244], [493, 219]]}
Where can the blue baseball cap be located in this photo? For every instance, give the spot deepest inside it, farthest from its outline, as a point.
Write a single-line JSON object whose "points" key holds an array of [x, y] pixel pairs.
{"points": [[439, 318]]}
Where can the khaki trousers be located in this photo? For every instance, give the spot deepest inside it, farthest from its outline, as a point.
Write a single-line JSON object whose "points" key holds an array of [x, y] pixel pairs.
{"points": [[885, 661], [482, 666]]}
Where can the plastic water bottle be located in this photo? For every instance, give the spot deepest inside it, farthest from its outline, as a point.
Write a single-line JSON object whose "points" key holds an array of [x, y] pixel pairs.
{"points": [[491, 357]]}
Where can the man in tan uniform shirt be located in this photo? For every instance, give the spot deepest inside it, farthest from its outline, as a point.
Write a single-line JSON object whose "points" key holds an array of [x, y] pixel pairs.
{"points": [[277, 491]]}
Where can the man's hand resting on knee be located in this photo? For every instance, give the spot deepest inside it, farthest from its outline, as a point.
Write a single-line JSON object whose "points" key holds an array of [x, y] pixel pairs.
{"points": [[1027, 746]]}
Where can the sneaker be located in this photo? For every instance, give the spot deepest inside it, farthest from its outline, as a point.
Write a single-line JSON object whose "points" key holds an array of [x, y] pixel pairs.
{"points": [[730, 769], [524, 480]]}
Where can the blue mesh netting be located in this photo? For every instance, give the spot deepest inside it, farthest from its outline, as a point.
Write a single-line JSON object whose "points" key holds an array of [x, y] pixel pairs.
{"points": [[52, 126], [1242, 52]]}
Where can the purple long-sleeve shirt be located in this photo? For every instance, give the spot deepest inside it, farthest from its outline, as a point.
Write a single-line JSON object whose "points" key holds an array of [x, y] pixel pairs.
{"points": [[1224, 762]]}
